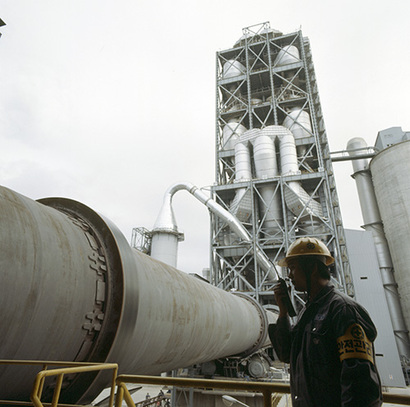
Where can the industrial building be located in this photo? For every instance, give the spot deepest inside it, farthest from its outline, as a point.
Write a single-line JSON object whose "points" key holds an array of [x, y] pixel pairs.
{"points": [[274, 182], [273, 167]]}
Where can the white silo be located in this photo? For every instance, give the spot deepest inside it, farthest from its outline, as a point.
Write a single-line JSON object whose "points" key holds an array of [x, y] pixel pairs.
{"points": [[373, 223], [390, 170]]}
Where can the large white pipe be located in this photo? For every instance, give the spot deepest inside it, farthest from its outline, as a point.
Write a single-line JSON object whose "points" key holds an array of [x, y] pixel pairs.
{"points": [[288, 157], [243, 169], [231, 221], [241, 205], [264, 155], [73, 289], [297, 199], [373, 222]]}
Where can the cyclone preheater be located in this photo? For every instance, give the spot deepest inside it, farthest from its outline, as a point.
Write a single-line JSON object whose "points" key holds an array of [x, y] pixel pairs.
{"points": [[73, 289]]}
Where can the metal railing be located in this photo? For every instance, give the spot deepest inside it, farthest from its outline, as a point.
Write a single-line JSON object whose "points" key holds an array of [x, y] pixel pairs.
{"points": [[266, 388], [69, 368], [153, 401]]}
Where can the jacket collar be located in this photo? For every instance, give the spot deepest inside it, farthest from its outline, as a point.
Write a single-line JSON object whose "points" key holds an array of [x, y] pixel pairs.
{"points": [[322, 294]]}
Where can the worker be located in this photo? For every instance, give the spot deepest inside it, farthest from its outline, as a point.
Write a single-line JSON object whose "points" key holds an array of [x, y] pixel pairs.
{"points": [[330, 347]]}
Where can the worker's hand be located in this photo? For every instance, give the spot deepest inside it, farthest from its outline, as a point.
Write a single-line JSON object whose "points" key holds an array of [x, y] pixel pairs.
{"points": [[280, 291]]}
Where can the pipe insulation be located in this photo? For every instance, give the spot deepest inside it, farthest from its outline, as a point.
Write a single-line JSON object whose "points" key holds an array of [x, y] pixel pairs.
{"points": [[72, 289]]}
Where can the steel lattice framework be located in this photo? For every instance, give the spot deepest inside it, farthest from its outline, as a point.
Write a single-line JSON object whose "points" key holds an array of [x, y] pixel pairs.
{"points": [[267, 82]]}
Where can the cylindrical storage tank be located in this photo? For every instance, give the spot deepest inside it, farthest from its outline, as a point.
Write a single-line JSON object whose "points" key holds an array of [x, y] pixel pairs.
{"points": [[373, 223], [298, 122], [287, 55], [390, 170], [74, 290], [232, 68]]}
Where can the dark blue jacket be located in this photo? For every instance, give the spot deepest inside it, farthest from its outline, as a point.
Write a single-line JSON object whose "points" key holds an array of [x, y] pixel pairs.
{"points": [[323, 372]]}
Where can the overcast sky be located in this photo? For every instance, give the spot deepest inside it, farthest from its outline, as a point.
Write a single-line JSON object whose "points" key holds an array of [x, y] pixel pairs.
{"points": [[109, 103]]}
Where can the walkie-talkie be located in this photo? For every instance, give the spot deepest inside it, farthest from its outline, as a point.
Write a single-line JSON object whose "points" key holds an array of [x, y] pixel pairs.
{"points": [[288, 302]]}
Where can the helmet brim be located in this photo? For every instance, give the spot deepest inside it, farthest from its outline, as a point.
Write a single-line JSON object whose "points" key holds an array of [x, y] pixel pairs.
{"points": [[284, 262]]}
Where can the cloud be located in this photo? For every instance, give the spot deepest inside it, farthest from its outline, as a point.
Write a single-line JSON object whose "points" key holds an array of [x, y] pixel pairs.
{"points": [[110, 104]]}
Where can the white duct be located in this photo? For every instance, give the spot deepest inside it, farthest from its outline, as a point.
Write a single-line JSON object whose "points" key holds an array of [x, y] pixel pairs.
{"points": [[264, 155], [243, 169], [297, 199], [168, 221], [373, 222], [241, 206], [288, 157], [165, 232]]}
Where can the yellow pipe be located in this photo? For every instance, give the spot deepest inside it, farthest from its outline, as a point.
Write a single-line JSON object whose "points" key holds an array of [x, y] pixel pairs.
{"points": [[128, 399], [120, 394], [57, 390]]}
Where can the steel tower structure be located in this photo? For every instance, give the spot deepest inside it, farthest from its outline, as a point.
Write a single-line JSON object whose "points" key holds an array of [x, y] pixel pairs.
{"points": [[273, 167]]}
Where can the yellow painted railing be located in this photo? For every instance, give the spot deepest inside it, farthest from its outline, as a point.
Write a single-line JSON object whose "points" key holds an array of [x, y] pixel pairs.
{"points": [[68, 368], [267, 389]]}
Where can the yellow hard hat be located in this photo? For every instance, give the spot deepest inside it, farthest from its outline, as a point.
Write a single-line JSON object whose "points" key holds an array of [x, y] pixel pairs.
{"points": [[307, 246]]}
